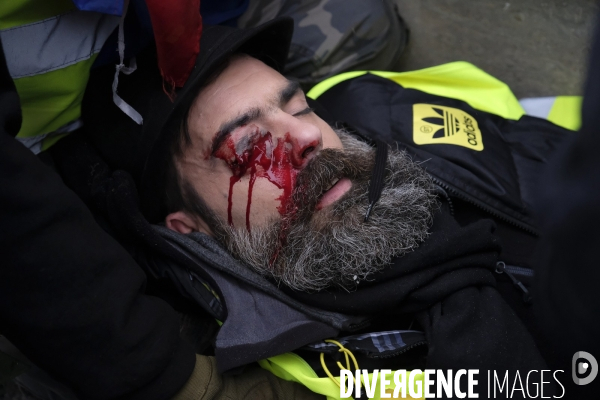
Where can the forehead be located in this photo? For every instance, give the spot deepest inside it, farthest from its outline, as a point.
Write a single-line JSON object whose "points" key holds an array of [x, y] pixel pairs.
{"points": [[244, 84]]}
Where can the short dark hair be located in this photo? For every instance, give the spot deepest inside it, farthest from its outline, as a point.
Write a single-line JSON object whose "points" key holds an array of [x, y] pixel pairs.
{"points": [[179, 194]]}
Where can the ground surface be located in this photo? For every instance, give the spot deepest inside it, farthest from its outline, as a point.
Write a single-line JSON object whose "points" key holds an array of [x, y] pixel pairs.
{"points": [[538, 47]]}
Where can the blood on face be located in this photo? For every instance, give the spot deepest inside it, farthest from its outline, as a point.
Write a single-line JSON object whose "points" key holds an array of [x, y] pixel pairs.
{"points": [[261, 156]]}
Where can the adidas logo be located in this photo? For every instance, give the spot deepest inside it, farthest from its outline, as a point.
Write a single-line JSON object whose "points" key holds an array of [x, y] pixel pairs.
{"points": [[434, 124]]}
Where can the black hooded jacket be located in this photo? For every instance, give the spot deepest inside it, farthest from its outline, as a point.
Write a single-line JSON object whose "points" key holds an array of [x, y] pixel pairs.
{"points": [[71, 298]]}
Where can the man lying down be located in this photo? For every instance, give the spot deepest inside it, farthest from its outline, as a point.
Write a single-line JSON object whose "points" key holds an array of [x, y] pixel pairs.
{"points": [[255, 167], [330, 226]]}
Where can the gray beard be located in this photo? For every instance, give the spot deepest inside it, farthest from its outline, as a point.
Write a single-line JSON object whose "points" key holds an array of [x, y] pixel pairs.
{"points": [[335, 246]]}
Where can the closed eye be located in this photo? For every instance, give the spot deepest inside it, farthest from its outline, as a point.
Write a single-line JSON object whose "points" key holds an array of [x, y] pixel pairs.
{"points": [[307, 110]]}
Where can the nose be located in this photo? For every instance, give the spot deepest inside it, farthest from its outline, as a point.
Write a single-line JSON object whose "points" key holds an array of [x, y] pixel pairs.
{"points": [[303, 139]]}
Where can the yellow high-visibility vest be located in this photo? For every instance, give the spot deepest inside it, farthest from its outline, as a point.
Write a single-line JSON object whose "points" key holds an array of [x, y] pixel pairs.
{"points": [[50, 47], [463, 81]]}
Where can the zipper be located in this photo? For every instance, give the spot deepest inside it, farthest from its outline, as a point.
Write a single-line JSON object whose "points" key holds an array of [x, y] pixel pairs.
{"points": [[484, 207], [513, 269], [442, 192], [502, 268]]}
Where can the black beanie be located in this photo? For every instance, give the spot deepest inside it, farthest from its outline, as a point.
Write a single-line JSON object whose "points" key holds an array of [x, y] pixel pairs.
{"points": [[142, 150]]}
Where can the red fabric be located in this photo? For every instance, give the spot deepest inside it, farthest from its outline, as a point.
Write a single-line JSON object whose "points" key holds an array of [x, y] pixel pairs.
{"points": [[177, 26]]}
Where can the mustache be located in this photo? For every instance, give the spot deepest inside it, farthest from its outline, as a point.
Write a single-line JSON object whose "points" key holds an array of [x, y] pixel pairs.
{"points": [[321, 171]]}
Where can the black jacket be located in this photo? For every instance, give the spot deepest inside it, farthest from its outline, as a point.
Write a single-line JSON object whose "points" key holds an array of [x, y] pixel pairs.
{"points": [[71, 298], [502, 182], [568, 306], [495, 174], [499, 182]]}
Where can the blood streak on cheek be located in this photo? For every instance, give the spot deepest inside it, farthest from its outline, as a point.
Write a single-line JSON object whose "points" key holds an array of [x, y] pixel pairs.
{"points": [[260, 158]]}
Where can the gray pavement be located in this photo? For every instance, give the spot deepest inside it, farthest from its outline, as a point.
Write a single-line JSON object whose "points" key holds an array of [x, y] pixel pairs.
{"points": [[537, 47]]}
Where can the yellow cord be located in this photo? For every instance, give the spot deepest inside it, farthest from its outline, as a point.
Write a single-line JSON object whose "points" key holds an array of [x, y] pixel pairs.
{"points": [[339, 364], [327, 370]]}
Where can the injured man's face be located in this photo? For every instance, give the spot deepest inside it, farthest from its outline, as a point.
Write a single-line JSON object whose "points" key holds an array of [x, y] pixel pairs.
{"points": [[285, 192]]}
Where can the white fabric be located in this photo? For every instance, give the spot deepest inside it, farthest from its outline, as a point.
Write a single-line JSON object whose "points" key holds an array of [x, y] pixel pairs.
{"points": [[537, 106], [122, 104]]}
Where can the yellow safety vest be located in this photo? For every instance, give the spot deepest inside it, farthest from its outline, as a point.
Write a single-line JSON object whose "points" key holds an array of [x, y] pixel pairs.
{"points": [[50, 47], [463, 81]]}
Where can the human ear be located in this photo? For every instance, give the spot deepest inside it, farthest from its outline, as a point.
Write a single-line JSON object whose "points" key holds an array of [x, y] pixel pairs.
{"points": [[181, 222]]}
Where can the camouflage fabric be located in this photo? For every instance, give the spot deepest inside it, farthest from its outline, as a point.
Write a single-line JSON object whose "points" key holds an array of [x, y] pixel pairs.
{"points": [[334, 36]]}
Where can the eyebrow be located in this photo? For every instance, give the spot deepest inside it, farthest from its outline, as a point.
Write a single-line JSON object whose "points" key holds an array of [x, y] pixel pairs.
{"points": [[288, 91], [283, 97]]}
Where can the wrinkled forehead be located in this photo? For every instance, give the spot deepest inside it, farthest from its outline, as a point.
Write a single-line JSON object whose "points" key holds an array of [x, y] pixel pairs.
{"points": [[244, 84]]}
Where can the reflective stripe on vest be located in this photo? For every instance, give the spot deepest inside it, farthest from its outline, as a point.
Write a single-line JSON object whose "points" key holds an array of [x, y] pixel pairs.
{"points": [[49, 52], [457, 80], [55, 43], [35, 143], [561, 110]]}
